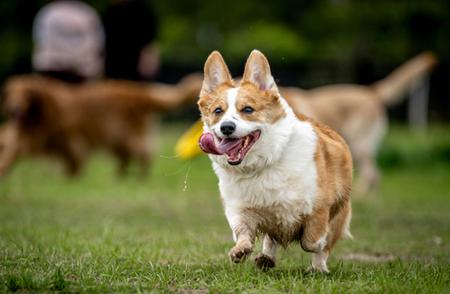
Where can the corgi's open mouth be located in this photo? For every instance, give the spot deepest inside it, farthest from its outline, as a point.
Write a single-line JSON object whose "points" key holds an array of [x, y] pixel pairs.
{"points": [[235, 148]]}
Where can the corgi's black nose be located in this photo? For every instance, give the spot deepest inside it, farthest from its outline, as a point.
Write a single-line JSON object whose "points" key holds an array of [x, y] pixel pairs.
{"points": [[227, 128]]}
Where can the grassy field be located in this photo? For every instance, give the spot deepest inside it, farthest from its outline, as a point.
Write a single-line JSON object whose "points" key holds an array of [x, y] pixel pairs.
{"points": [[168, 233]]}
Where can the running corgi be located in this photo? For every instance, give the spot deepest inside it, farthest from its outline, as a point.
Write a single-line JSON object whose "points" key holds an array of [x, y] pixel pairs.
{"points": [[282, 176]]}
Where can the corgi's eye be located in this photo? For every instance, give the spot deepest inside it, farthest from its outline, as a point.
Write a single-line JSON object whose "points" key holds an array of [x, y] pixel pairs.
{"points": [[247, 109], [218, 110]]}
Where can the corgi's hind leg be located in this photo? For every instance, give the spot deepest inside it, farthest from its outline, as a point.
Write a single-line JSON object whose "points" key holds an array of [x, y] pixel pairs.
{"points": [[319, 262], [339, 227], [315, 230]]}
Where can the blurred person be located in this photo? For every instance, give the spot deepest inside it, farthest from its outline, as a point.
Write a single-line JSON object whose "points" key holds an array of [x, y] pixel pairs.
{"points": [[131, 52], [68, 41]]}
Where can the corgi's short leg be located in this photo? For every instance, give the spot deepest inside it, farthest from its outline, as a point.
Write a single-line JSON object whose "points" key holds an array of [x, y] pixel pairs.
{"points": [[319, 262], [243, 247], [244, 233], [266, 259], [315, 231], [339, 227], [244, 236]]}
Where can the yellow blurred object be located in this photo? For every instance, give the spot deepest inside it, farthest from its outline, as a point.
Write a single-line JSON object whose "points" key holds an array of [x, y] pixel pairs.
{"points": [[187, 146]]}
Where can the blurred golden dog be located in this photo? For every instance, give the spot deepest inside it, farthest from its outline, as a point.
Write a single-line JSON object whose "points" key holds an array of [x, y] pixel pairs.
{"points": [[47, 116], [358, 112]]}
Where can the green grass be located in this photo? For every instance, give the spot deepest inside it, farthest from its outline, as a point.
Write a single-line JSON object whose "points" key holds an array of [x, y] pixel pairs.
{"points": [[168, 233]]}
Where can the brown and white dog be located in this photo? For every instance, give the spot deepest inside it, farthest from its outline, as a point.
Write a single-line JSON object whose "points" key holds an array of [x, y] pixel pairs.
{"points": [[282, 176], [51, 117]]}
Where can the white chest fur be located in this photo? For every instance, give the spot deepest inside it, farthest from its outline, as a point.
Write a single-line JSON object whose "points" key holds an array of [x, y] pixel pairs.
{"points": [[283, 189]]}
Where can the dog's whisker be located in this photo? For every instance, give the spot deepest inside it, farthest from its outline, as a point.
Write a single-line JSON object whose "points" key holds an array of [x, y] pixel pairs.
{"points": [[169, 157], [178, 171], [185, 186], [186, 167]]}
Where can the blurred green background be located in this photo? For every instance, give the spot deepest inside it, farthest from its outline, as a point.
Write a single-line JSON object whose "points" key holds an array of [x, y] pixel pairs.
{"points": [[309, 43]]}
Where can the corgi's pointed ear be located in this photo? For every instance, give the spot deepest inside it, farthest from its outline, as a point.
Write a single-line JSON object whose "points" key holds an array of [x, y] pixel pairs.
{"points": [[257, 71], [215, 73]]}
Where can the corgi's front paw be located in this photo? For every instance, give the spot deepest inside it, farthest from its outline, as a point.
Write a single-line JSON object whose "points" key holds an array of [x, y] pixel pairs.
{"points": [[239, 252]]}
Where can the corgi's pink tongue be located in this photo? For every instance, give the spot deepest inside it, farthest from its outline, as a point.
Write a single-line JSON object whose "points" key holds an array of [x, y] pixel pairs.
{"points": [[228, 146], [208, 145]]}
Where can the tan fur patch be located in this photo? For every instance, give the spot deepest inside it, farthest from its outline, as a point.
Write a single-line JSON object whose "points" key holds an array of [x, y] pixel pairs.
{"points": [[334, 181], [265, 103], [210, 102]]}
